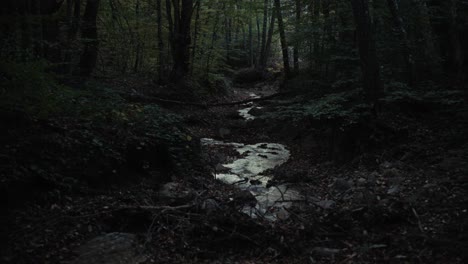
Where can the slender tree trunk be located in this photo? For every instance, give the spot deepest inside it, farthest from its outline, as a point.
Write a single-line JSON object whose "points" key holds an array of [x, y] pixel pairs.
{"points": [[195, 34], [251, 48], [456, 52], [89, 36], [372, 84], [284, 44], [213, 40], [160, 41], [227, 37], [398, 22], [316, 5], [138, 51], [326, 38], [264, 32], [296, 45], [73, 24], [259, 39], [181, 39], [269, 40], [170, 23]]}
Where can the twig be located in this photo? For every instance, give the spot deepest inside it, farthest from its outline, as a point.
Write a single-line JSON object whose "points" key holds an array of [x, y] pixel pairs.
{"points": [[419, 220]]}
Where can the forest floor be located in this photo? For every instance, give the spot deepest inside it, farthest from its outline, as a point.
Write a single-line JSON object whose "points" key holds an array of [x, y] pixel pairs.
{"points": [[402, 201]]}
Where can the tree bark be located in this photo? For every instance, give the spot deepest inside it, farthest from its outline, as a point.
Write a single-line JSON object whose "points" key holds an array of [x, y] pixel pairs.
{"points": [[89, 36], [160, 41], [251, 55], [264, 32], [284, 44], [398, 22], [271, 29], [296, 45], [316, 13], [195, 34], [182, 39], [373, 88]]}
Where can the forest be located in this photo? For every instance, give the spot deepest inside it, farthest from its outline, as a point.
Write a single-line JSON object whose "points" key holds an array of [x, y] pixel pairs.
{"points": [[237, 131]]}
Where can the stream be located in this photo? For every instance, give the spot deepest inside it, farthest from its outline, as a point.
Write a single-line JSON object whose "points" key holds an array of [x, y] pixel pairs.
{"points": [[250, 171]]}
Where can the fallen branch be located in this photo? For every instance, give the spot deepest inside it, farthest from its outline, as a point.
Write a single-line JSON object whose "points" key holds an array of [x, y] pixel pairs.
{"points": [[163, 208], [151, 99]]}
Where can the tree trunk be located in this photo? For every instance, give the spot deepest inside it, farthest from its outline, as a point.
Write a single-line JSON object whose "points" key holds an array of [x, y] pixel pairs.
{"points": [[138, 52], [316, 5], [251, 55], [373, 88], [456, 52], [195, 34], [160, 41], [398, 22], [264, 33], [213, 40], [268, 41], [284, 44], [296, 45], [73, 24], [170, 23], [182, 39], [89, 36]]}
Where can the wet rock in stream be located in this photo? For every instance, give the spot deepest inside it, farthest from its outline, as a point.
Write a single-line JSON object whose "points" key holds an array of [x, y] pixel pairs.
{"points": [[246, 173]]}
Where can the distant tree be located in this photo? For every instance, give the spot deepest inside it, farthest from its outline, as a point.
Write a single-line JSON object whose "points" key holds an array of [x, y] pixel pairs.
{"points": [[89, 36], [180, 25], [373, 87], [296, 44], [398, 23], [284, 43]]}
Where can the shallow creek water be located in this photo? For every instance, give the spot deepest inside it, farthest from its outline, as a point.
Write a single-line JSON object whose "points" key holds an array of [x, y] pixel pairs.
{"points": [[247, 172]]}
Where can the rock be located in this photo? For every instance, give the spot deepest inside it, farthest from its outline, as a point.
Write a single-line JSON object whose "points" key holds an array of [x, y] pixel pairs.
{"points": [[210, 206], [257, 111], [358, 198], [325, 204], [361, 182], [221, 168], [244, 197], [372, 178], [323, 251], [395, 181], [174, 193], [223, 132], [384, 203], [386, 165], [255, 182], [391, 173], [394, 189], [282, 214], [112, 248], [342, 185]]}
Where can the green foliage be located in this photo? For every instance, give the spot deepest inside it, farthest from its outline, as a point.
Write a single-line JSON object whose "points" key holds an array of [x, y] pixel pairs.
{"points": [[28, 87], [434, 97], [215, 84], [344, 108]]}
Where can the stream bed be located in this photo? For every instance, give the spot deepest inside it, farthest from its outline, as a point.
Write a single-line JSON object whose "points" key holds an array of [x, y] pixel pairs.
{"points": [[250, 170]]}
